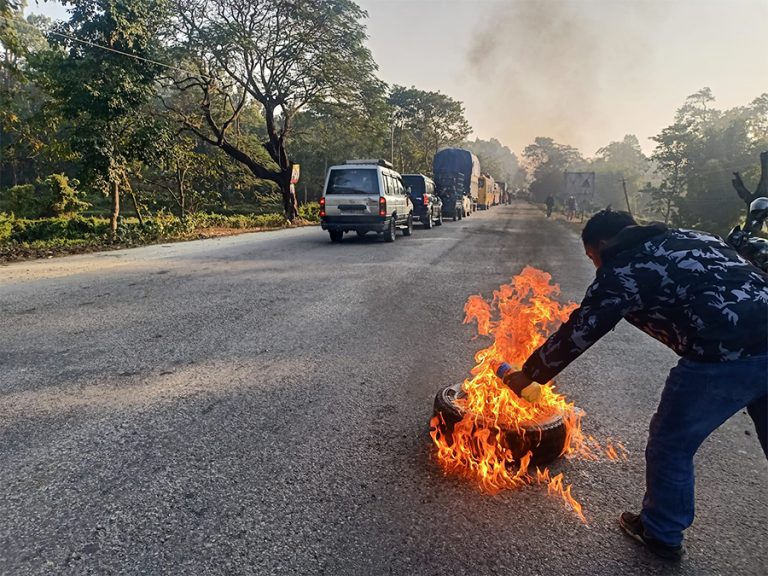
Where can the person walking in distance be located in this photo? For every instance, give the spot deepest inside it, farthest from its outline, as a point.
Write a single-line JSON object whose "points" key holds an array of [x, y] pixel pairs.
{"points": [[550, 202], [695, 294], [570, 206]]}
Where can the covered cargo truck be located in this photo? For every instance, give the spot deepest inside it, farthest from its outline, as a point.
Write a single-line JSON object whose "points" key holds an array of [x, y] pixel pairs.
{"points": [[456, 172]]}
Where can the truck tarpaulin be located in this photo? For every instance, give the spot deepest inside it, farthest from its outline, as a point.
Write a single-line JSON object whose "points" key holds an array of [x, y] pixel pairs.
{"points": [[458, 161]]}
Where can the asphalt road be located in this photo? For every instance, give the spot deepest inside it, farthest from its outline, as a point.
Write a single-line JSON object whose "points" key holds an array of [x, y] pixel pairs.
{"points": [[259, 404]]}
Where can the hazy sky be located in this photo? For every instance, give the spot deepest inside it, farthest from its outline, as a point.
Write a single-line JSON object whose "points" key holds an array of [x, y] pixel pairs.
{"points": [[584, 72]]}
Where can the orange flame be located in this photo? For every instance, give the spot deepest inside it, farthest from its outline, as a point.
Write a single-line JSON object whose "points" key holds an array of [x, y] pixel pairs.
{"points": [[519, 318]]}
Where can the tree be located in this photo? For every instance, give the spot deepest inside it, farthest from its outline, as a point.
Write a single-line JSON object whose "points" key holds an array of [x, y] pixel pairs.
{"points": [[616, 165], [102, 91], [546, 162], [696, 156], [283, 55], [30, 146], [497, 160], [670, 156], [9, 11], [424, 122], [721, 142], [328, 133]]}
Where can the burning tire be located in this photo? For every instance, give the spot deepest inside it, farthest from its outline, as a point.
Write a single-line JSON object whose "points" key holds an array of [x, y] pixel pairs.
{"points": [[544, 439]]}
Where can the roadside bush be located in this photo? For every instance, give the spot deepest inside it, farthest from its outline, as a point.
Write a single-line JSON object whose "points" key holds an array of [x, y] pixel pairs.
{"points": [[236, 221], [6, 226], [162, 224], [269, 221], [22, 201], [36, 237], [310, 211], [60, 196], [75, 228], [54, 196]]}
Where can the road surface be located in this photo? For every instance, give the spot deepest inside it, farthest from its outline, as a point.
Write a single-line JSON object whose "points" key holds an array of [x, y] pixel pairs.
{"points": [[259, 404]]}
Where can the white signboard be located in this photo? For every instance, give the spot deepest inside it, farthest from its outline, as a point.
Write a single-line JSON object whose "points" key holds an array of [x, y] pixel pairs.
{"points": [[579, 184]]}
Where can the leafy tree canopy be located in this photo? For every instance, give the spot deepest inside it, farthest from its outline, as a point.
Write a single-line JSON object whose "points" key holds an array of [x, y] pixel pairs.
{"points": [[424, 122], [283, 54]]}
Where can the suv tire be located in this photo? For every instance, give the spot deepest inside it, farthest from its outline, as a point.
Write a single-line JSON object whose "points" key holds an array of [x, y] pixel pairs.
{"points": [[336, 235], [391, 231], [428, 221], [408, 230]]}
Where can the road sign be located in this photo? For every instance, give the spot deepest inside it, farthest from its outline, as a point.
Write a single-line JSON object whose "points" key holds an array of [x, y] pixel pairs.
{"points": [[580, 184]]}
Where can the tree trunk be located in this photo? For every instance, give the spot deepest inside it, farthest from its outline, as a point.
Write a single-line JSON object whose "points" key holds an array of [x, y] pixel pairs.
{"points": [[290, 204], [136, 207], [115, 207], [133, 200], [180, 176]]}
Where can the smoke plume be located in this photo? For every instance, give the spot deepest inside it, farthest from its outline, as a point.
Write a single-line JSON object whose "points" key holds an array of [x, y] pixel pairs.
{"points": [[546, 63]]}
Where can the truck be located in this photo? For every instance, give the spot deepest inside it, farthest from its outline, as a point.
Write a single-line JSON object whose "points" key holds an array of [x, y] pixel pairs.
{"points": [[456, 172], [486, 191]]}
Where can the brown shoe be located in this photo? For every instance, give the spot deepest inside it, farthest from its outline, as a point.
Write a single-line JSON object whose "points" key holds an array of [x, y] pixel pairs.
{"points": [[633, 526]]}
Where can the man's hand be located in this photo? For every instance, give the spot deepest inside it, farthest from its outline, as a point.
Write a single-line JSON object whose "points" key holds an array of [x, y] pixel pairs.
{"points": [[523, 386], [517, 381]]}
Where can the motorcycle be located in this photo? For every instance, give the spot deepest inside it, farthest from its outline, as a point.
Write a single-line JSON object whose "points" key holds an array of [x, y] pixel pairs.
{"points": [[751, 247]]}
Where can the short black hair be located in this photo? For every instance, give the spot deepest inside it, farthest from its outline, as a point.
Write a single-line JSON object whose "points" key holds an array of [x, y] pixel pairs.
{"points": [[605, 225]]}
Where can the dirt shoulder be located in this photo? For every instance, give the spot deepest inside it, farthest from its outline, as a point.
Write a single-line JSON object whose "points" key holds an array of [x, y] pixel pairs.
{"points": [[23, 252]]}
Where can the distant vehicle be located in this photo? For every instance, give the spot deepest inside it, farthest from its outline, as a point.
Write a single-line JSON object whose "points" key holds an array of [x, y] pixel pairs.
{"points": [[427, 206], [505, 195], [365, 196], [485, 192], [456, 172]]}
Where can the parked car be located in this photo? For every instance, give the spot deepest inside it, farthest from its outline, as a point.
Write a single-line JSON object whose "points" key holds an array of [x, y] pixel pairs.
{"points": [[365, 196], [427, 206]]}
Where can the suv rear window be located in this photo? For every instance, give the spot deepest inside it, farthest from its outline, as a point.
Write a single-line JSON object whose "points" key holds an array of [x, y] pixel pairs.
{"points": [[415, 183], [353, 181]]}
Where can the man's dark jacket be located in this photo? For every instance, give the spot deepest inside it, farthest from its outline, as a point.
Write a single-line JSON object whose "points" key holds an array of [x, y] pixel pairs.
{"points": [[687, 289]]}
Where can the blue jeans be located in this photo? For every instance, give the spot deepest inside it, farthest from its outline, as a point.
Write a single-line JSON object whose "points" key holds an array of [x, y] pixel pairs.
{"points": [[697, 398]]}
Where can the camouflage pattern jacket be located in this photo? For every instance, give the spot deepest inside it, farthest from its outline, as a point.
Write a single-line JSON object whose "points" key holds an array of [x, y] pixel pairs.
{"points": [[687, 289]]}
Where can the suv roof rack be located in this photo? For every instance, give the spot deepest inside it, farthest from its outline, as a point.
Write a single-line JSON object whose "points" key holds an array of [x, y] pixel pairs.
{"points": [[378, 162]]}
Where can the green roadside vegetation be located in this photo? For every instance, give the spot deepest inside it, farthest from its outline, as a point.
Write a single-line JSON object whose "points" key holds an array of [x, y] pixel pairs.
{"points": [[52, 217], [43, 237]]}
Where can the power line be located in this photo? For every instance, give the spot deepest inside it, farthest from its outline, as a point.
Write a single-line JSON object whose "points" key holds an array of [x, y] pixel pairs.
{"points": [[106, 48]]}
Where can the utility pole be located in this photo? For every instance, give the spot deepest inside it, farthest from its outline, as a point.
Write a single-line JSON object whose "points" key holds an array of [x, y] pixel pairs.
{"points": [[626, 196], [392, 141]]}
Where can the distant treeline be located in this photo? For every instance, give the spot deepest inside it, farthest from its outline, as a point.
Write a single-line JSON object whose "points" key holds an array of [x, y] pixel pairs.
{"points": [[153, 106]]}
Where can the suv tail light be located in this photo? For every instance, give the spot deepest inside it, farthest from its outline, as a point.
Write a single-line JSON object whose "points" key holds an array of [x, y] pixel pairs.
{"points": [[382, 206], [426, 200], [322, 207]]}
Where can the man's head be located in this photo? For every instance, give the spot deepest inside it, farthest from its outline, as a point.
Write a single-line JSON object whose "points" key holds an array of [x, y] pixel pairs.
{"points": [[602, 228]]}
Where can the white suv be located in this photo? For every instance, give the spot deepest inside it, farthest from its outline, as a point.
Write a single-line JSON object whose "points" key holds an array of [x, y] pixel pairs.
{"points": [[365, 196]]}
